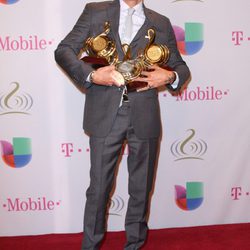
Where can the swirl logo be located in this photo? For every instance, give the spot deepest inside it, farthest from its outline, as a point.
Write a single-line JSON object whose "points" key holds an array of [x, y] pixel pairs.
{"points": [[189, 41], [189, 198], [189, 149], [116, 206], [15, 103], [8, 1], [18, 154]]}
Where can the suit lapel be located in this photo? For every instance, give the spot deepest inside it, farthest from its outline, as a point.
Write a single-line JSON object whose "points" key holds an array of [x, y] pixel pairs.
{"points": [[114, 16], [140, 42]]}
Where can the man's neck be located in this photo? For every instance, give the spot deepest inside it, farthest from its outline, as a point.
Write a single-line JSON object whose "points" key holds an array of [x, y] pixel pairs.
{"points": [[132, 3]]}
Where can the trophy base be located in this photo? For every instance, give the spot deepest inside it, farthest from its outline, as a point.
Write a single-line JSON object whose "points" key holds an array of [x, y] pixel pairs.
{"points": [[96, 62]]}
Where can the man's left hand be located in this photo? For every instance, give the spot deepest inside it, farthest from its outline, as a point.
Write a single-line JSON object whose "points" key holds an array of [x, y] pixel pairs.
{"points": [[156, 77]]}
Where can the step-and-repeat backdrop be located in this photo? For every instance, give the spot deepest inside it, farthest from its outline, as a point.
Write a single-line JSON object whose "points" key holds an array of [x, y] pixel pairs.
{"points": [[203, 174]]}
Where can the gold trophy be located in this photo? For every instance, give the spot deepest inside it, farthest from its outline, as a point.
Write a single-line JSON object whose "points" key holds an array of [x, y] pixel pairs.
{"points": [[101, 51], [152, 54], [155, 53], [130, 69]]}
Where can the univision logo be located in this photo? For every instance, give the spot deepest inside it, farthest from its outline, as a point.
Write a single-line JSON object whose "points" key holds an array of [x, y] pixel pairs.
{"points": [[8, 1], [18, 154], [188, 148], [189, 40], [190, 197], [14, 102]]}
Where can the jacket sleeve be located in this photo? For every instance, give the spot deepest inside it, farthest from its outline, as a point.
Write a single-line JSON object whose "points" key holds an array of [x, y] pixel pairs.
{"points": [[68, 51], [175, 62]]}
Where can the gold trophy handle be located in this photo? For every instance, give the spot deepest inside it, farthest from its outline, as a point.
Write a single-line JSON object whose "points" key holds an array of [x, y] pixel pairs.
{"points": [[150, 36], [106, 29], [127, 52]]}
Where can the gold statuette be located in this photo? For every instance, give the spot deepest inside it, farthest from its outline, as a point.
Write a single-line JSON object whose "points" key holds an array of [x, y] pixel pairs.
{"points": [[102, 46], [155, 53], [130, 69]]}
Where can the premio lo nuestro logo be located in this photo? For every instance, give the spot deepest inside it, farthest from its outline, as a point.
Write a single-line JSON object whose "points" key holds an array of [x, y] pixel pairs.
{"points": [[189, 148], [116, 205], [15, 101], [190, 197], [18, 154], [8, 1], [190, 40]]}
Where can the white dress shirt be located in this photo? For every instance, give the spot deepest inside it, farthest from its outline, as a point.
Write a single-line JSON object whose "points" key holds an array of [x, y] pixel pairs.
{"points": [[138, 20]]}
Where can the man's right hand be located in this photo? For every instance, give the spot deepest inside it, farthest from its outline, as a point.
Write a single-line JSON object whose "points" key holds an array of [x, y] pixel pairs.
{"points": [[108, 76]]}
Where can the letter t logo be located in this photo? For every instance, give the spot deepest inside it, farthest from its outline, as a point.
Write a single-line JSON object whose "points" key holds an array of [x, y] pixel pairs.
{"points": [[67, 149], [237, 37], [235, 193]]}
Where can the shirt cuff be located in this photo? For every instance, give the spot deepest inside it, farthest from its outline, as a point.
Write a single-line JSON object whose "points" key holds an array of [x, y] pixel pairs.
{"points": [[174, 85], [88, 78]]}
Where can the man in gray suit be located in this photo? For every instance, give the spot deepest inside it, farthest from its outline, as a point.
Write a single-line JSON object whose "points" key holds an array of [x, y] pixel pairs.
{"points": [[112, 116]]}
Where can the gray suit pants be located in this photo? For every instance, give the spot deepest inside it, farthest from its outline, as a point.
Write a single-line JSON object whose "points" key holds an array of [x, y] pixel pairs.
{"points": [[141, 164]]}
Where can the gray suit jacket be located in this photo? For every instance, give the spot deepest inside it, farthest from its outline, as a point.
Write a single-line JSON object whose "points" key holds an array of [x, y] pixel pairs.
{"points": [[102, 102]]}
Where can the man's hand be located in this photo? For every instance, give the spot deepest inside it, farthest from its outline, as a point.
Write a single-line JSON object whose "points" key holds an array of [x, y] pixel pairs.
{"points": [[108, 76], [156, 77]]}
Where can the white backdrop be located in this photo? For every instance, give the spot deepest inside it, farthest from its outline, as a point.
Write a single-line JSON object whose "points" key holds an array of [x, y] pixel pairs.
{"points": [[204, 157]]}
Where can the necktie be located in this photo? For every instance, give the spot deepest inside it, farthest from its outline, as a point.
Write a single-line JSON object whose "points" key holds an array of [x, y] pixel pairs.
{"points": [[127, 36], [129, 26]]}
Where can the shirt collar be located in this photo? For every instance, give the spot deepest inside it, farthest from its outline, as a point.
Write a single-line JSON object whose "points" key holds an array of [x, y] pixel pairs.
{"points": [[138, 8]]}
